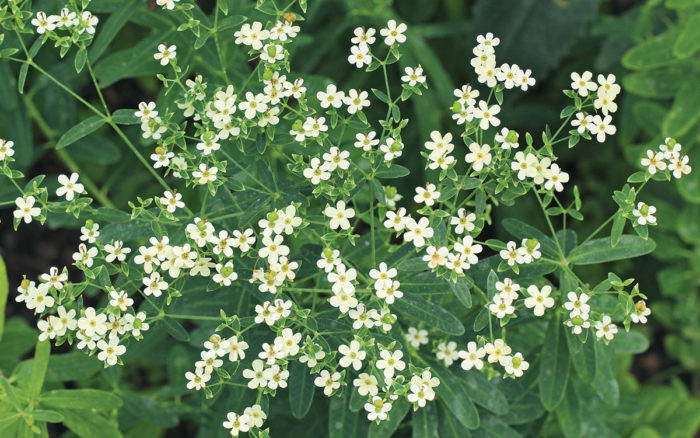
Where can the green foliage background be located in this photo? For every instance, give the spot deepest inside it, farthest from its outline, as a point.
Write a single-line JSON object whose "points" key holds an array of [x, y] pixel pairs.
{"points": [[654, 49]]}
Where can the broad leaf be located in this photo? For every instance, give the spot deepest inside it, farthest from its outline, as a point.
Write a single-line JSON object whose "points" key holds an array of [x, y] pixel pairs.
{"points": [[554, 366], [420, 309], [600, 250], [81, 399], [301, 389], [87, 126]]}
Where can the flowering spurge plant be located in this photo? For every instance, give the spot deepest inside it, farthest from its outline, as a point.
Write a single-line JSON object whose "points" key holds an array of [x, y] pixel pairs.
{"points": [[278, 239]]}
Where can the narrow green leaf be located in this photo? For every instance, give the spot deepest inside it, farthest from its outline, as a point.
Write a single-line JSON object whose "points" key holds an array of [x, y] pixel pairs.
{"points": [[685, 111], [4, 292], [582, 355], [432, 315], [380, 95], [461, 290], [483, 392], [630, 342], [455, 394], [652, 53], [688, 41], [176, 330], [618, 227], [395, 171], [604, 382], [111, 27], [47, 416], [343, 422], [125, 117], [89, 424], [425, 422], [569, 414], [554, 371], [33, 50], [80, 59], [301, 389], [87, 126], [40, 362], [81, 399], [600, 250]]}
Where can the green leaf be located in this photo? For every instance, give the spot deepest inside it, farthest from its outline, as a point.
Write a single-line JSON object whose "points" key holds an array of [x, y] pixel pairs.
{"points": [[343, 422], [33, 50], [425, 422], [659, 83], [81, 399], [125, 116], [4, 292], [301, 389], [483, 392], [688, 41], [176, 330], [39, 365], [79, 131], [569, 414], [89, 424], [380, 95], [618, 227], [685, 111], [599, 250], [455, 394], [604, 382], [461, 290], [630, 342], [554, 370], [582, 355], [395, 171], [521, 230], [431, 314], [385, 429], [652, 53], [72, 366], [47, 416], [111, 27], [80, 58]]}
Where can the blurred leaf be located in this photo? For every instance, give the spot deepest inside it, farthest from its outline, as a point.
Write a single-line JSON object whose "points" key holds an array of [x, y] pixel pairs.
{"points": [[81, 399], [4, 292], [72, 366], [111, 27], [39, 365], [582, 355], [688, 41], [652, 53], [342, 421], [630, 342], [79, 131], [554, 370], [301, 389], [455, 395], [600, 251], [89, 424], [175, 329], [460, 288], [425, 422], [95, 149], [685, 111], [483, 392], [385, 429], [604, 382], [659, 83], [422, 310], [395, 171]]}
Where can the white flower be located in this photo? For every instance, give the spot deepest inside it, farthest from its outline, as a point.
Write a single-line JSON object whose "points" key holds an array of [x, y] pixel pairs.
{"points": [[172, 201], [466, 95], [526, 165], [644, 213], [416, 337], [509, 75], [69, 186], [366, 140], [255, 375], [582, 83], [243, 239], [471, 358], [526, 79], [165, 54], [413, 76], [516, 365], [111, 351], [88, 23], [25, 209], [329, 382], [205, 174], [389, 292], [426, 195], [390, 362], [225, 274], [366, 384], [420, 394], [276, 377], [135, 323], [508, 289], [339, 215], [252, 35], [641, 311], [601, 126], [436, 256], [418, 231], [501, 306], [392, 149], [272, 53], [351, 355], [359, 55], [463, 221], [605, 328], [680, 166], [539, 299], [197, 380], [497, 351], [393, 33], [383, 276], [254, 104], [507, 138], [49, 328], [167, 4], [487, 114], [6, 148], [363, 37], [583, 122], [256, 416], [356, 100], [480, 156], [236, 349], [512, 254], [555, 178], [236, 423], [331, 97], [469, 249], [335, 158], [342, 279], [447, 352], [44, 23], [488, 40], [605, 103], [396, 220], [316, 171], [121, 300], [577, 304], [378, 409], [654, 161]]}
